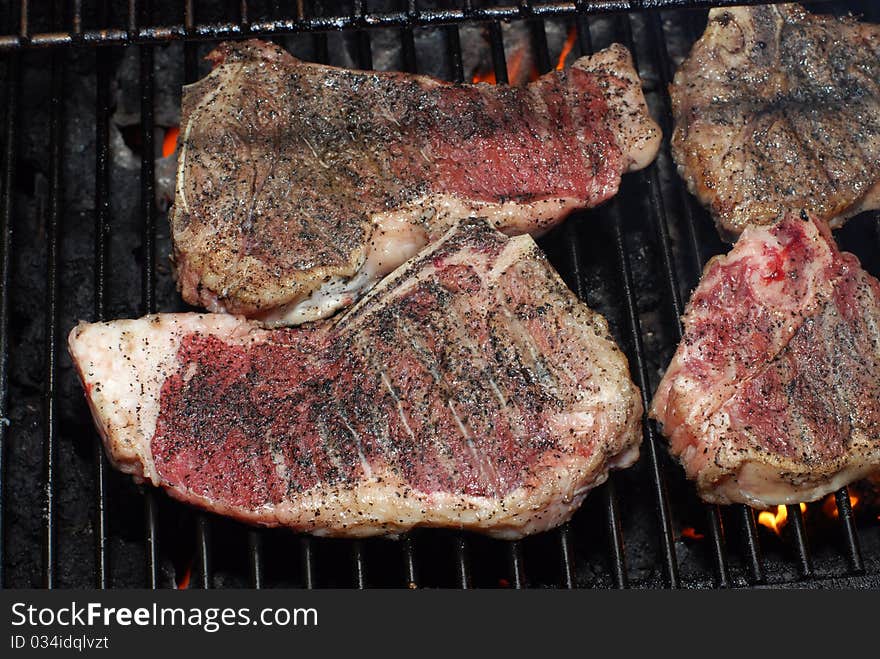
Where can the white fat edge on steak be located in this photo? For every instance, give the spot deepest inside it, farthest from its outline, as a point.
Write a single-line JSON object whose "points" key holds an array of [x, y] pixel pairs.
{"points": [[122, 365], [761, 485], [638, 135]]}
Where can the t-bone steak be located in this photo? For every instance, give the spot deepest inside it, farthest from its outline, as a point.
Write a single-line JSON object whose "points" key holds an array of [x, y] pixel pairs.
{"points": [[300, 185], [773, 396], [470, 389], [777, 108]]}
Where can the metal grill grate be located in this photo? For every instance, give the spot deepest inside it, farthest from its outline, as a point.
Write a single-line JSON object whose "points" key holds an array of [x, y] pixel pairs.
{"points": [[675, 233]]}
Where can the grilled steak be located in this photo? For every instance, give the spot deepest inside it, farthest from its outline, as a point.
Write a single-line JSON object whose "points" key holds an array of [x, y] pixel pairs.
{"points": [[776, 108], [470, 389], [300, 185], [774, 393]]}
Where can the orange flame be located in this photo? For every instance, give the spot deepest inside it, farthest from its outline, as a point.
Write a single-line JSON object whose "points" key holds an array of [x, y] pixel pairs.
{"points": [[169, 144], [514, 70], [515, 64], [829, 507], [566, 49], [691, 533], [776, 521], [183, 581]]}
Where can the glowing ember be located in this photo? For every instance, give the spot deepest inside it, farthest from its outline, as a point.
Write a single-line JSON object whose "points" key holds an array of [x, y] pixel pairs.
{"points": [[484, 76], [829, 506], [183, 580], [169, 144], [691, 533], [566, 49], [776, 521]]}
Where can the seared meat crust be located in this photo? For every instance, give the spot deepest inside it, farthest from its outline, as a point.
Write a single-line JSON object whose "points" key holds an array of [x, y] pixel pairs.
{"points": [[300, 185], [776, 108]]}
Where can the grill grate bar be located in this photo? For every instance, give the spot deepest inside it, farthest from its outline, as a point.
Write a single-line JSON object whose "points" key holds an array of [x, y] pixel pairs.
{"points": [[499, 59], [661, 56], [539, 45], [453, 51], [357, 20], [50, 412], [799, 531], [408, 52], [453, 47], [148, 271], [203, 524], [410, 565], [615, 535], [13, 90], [850, 534], [462, 561], [23, 22], [364, 47], [307, 561], [651, 177], [190, 48], [750, 530], [102, 219], [360, 567], [150, 549], [567, 551], [408, 39], [615, 529], [255, 551], [319, 46], [408, 45], [203, 548], [243, 18], [133, 16], [517, 565], [649, 430], [76, 21]]}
